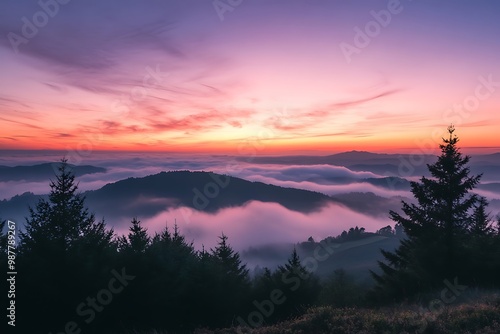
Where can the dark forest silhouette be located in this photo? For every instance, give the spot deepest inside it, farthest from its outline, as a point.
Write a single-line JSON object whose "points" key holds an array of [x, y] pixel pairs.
{"points": [[449, 233], [76, 273]]}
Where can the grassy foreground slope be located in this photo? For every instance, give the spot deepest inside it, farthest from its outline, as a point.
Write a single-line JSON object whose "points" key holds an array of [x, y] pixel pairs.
{"points": [[472, 317]]}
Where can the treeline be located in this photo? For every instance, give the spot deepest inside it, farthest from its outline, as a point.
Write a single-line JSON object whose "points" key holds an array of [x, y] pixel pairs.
{"points": [[358, 233], [449, 234], [75, 274]]}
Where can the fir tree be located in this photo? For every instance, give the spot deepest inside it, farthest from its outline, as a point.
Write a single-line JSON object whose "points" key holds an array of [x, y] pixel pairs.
{"points": [[137, 240], [294, 265], [482, 249], [437, 227], [232, 285], [229, 261], [65, 250], [167, 267], [62, 220], [481, 222], [300, 286]]}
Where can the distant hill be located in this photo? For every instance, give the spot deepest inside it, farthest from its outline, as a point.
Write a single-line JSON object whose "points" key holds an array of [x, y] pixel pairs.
{"points": [[398, 165], [203, 191], [345, 159], [356, 257], [391, 182], [16, 208], [371, 204], [487, 158], [42, 172], [382, 164]]}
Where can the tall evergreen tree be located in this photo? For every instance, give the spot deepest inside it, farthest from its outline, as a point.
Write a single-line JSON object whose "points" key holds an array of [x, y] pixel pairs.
{"points": [[482, 249], [436, 227], [133, 256], [481, 222], [165, 267], [137, 240], [66, 252], [229, 260], [294, 265], [300, 286], [63, 220], [232, 282]]}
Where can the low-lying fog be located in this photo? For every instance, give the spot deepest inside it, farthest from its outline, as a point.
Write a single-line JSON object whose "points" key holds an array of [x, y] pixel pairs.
{"points": [[251, 225]]}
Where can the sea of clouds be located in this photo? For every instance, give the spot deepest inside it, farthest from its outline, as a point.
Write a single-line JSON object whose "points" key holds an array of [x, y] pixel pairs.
{"points": [[254, 224]]}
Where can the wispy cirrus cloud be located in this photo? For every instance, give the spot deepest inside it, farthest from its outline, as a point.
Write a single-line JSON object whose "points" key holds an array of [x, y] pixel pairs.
{"points": [[314, 118], [26, 124], [92, 55], [155, 120]]}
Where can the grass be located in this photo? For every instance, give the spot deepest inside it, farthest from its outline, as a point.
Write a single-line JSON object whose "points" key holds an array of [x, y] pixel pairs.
{"points": [[479, 316], [477, 312]]}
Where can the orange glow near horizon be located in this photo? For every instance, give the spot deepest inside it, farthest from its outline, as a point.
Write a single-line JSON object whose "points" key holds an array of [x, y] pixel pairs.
{"points": [[287, 89], [470, 142]]}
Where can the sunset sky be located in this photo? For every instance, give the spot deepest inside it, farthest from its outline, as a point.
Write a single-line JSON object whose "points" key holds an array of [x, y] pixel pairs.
{"points": [[276, 76]]}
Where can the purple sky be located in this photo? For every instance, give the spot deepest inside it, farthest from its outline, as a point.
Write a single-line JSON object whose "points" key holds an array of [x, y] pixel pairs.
{"points": [[298, 75]]}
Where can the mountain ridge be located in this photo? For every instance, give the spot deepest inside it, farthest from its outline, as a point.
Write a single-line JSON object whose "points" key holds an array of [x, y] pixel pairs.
{"points": [[43, 171], [150, 195]]}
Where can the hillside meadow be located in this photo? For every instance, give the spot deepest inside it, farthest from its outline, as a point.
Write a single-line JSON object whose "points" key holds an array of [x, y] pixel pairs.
{"points": [[476, 313]]}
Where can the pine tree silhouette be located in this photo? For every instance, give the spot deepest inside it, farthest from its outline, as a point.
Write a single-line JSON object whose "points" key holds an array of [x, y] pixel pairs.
{"points": [[301, 286], [62, 220], [437, 227], [229, 261], [232, 284], [481, 224], [137, 241], [64, 250], [294, 265]]}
